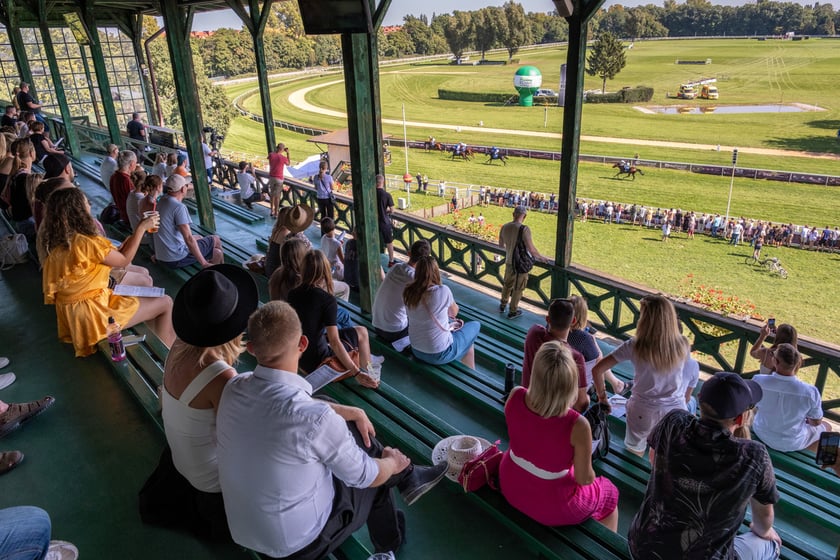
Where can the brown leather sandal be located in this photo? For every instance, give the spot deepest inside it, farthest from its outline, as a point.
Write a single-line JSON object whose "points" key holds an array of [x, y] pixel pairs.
{"points": [[9, 460], [20, 413]]}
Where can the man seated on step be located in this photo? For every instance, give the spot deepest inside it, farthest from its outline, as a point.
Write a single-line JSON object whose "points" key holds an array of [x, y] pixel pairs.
{"points": [[175, 244], [300, 475], [390, 320], [702, 479]]}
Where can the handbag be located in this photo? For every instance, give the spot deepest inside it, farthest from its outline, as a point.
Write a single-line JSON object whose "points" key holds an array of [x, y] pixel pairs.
{"points": [[596, 415], [14, 249], [333, 361], [482, 470], [523, 262], [110, 214]]}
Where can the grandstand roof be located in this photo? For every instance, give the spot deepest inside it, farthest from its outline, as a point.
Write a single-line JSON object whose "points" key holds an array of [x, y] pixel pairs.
{"points": [[107, 11]]}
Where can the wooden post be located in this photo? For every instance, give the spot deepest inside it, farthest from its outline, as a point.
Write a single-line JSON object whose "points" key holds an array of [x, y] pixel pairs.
{"points": [[255, 20], [71, 140], [364, 118], [178, 22], [89, 18]]}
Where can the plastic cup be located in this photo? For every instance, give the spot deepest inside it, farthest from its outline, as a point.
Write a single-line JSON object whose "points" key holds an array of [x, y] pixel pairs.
{"points": [[374, 371], [156, 215]]}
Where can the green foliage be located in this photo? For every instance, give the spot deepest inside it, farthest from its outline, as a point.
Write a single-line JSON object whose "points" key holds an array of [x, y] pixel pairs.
{"points": [[458, 31], [484, 97], [518, 30], [606, 58], [215, 108], [490, 25]]}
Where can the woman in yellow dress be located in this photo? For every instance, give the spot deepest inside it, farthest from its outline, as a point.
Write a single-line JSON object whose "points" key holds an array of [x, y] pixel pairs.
{"points": [[77, 261]]}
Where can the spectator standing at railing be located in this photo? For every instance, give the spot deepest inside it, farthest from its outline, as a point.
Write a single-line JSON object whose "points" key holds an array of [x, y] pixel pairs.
{"points": [[208, 153], [276, 162], [514, 282], [135, 128], [323, 182], [384, 207]]}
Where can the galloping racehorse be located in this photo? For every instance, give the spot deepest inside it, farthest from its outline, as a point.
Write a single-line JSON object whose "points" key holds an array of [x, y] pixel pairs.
{"points": [[625, 168], [462, 151], [494, 154]]}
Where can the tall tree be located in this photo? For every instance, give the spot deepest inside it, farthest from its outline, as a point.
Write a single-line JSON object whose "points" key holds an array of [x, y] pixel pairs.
{"points": [[458, 31], [488, 24], [518, 28], [606, 58]]}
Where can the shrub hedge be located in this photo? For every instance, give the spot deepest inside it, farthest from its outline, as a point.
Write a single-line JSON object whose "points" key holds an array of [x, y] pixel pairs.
{"points": [[486, 97], [638, 94]]}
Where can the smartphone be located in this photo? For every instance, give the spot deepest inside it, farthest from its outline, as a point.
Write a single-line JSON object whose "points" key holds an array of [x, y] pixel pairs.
{"points": [[827, 448], [771, 324]]}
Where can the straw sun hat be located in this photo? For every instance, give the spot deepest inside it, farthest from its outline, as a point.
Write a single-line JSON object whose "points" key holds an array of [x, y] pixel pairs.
{"points": [[296, 218], [457, 451]]}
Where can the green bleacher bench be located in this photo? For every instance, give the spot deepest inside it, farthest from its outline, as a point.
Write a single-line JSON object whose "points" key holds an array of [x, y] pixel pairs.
{"points": [[234, 210]]}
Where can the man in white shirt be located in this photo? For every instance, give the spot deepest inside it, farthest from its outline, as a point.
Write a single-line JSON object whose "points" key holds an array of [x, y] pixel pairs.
{"points": [[389, 317], [175, 244], [300, 475], [109, 165], [245, 178]]}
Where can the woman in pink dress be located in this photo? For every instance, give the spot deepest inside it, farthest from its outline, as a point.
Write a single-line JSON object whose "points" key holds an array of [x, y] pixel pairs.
{"points": [[553, 484]]}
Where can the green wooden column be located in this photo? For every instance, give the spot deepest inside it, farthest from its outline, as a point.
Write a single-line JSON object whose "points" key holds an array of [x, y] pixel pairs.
{"points": [[254, 20], [178, 22], [71, 140], [364, 118], [89, 18], [12, 23], [570, 144]]}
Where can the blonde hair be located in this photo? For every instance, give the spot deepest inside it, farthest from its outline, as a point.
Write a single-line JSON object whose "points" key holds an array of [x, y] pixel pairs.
{"points": [[581, 312], [554, 380], [658, 341], [32, 182], [187, 356], [273, 330]]}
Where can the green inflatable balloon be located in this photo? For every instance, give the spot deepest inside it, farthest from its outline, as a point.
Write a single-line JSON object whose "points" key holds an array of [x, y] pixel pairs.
{"points": [[527, 81]]}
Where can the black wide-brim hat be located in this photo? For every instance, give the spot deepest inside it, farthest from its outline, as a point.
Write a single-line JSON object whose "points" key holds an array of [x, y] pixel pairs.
{"points": [[213, 307]]}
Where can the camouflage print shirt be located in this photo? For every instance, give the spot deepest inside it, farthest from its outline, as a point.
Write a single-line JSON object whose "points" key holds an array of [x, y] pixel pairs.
{"points": [[702, 482]]}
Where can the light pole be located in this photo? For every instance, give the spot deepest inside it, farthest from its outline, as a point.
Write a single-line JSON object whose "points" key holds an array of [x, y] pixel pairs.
{"points": [[731, 182]]}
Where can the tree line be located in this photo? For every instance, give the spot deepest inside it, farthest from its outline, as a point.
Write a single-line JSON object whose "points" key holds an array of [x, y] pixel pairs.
{"points": [[229, 52]]}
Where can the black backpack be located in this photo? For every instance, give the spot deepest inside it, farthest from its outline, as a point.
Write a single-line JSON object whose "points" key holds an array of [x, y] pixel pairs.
{"points": [[596, 415], [523, 262]]}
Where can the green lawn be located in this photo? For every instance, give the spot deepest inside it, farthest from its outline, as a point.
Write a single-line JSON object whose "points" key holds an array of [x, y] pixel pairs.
{"points": [[748, 71], [807, 299]]}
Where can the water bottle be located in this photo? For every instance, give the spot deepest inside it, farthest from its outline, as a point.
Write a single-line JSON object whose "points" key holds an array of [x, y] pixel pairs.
{"points": [[115, 340], [510, 373]]}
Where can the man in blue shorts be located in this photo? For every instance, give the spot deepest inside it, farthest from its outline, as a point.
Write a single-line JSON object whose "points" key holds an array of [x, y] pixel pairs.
{"points": [[175, 244]]}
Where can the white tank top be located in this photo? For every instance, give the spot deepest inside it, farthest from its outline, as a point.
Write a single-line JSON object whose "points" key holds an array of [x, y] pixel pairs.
{"points": [[191, 432]]}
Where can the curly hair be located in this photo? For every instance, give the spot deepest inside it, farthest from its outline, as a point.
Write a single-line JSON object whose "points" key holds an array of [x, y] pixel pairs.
{"points": [[151, 185], [66, 215]]}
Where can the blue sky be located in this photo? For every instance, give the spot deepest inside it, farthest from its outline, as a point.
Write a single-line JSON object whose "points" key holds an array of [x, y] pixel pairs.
{"points": [[399, 8]]}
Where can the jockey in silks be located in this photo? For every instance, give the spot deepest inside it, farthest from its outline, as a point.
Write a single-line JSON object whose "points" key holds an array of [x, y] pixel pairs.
{"points": [[625, 166], [494, 153]]}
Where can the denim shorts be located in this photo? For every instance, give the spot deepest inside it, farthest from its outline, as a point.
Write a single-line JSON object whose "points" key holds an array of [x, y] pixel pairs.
{"points": [[205, 246], [462, 340]]}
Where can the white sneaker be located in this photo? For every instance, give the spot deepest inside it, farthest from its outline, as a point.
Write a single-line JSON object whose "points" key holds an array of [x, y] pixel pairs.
{"points": [[6, 379], [3, 362], [377, 360], [62, 550]]}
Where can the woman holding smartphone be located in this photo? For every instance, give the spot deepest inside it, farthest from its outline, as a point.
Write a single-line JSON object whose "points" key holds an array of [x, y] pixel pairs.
{"points": [[783, 334]]}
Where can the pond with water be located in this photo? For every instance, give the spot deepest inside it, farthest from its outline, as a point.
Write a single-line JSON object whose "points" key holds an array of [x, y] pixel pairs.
{"points": [[729, 109]]}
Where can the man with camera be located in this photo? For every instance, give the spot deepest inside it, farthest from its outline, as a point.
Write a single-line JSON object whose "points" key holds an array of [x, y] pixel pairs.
{"points": [[276, 162], [210, 150]]}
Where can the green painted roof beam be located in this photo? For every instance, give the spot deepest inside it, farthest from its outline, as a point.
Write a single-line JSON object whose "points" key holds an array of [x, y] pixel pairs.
{"points": [[178, 22], [254, 20], [88, 16]]}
